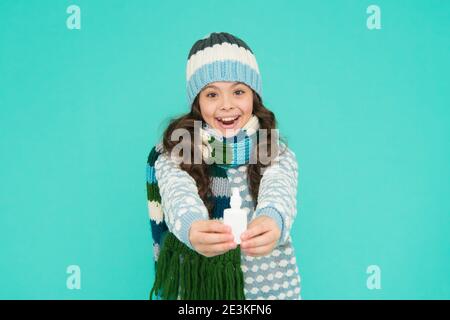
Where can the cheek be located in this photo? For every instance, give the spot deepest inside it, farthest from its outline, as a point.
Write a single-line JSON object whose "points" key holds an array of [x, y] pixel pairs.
{"points": [[247, 107], [207, 112], [247, 110]]}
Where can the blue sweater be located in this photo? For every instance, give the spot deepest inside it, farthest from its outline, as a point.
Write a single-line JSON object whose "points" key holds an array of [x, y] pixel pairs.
{"points": [[274, 276]]}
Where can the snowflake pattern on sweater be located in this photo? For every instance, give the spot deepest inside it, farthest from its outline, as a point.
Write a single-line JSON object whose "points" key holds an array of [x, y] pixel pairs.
{"points": [[274, 276]]}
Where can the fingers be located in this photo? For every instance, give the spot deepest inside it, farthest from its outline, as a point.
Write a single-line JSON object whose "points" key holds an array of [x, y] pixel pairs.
{"points": [[213, 238], [211, 232], [259, 251], [260, 240], [216, 249], [254, 230], [213, 226]]}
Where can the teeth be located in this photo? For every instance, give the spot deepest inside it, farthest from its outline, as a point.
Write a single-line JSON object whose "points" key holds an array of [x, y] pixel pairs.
{"points": [[227, 119]]}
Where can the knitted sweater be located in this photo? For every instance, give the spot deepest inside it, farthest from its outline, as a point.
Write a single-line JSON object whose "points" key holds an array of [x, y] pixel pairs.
{"points": [[274, 276]]}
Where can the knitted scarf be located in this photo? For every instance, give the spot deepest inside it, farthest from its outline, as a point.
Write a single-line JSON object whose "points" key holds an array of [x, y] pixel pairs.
{"points": [[232, 151], [180, 272]]}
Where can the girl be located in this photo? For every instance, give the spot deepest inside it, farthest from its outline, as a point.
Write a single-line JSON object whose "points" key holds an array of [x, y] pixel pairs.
{"points": [[195, 253]]}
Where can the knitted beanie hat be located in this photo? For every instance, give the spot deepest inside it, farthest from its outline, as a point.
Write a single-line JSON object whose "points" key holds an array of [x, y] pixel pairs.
{"points": [[220, 57]]}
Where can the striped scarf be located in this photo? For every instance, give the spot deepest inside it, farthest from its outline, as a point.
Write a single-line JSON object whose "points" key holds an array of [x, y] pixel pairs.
{"points": [[180, 272], [229, 151]]}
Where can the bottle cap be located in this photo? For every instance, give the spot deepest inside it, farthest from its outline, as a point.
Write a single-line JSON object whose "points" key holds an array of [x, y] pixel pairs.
{"points": [[236, 200]]}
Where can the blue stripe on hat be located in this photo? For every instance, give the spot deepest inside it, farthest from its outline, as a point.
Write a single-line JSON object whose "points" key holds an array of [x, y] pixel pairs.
{"points": [[226, 70]]}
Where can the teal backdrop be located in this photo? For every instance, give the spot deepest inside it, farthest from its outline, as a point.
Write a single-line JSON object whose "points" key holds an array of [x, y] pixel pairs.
{"points": [[365, 110]]}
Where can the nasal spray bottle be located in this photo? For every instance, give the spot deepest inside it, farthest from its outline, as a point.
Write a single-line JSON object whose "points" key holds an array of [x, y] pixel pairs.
{"points": [[236, 217]]}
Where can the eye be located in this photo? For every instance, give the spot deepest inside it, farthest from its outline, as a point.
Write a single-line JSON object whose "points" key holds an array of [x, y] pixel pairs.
{"points": [[239, 92], [211, 94]]}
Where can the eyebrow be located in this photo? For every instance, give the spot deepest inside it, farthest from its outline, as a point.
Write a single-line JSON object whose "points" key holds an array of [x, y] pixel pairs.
{"points": [[215, 87]]}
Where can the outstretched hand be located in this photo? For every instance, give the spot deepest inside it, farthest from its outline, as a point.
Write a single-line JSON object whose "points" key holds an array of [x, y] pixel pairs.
{"points": [[211, 237], [261, 237]]}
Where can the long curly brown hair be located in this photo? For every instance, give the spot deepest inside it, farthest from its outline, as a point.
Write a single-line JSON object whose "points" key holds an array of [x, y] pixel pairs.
{"points": [[200, 173]]}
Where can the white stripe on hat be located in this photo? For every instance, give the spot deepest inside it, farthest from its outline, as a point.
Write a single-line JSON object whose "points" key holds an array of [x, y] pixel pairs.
{"points": [[220, 51]]}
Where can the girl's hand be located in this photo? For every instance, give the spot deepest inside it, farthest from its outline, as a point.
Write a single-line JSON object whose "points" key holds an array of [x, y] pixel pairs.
{"points": [[211, 237], [261, 237]]}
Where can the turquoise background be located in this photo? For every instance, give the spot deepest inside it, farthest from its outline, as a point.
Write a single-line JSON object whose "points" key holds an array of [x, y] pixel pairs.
{"points": [[365, 111]]}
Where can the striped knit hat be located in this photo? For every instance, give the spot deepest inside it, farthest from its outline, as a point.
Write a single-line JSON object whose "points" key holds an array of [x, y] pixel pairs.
{"points": [[220, 57]]}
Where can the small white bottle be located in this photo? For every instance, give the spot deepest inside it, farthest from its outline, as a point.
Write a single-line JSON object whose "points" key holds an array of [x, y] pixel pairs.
{"points": [[236, 217]]}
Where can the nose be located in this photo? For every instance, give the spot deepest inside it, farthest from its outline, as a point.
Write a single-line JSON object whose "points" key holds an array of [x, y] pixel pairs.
{"points": [[227, 107], [226, 104]]}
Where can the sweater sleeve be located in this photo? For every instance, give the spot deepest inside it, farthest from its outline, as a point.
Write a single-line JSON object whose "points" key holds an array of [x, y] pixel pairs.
{"points": [[180, 200], [277, 196]]}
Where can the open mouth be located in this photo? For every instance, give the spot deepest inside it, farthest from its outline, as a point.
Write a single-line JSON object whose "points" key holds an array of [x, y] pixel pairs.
{"points": [[228, 122]]}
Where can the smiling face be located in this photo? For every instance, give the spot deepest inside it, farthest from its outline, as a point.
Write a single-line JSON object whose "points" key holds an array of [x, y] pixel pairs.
{"points": [[226, 106]]}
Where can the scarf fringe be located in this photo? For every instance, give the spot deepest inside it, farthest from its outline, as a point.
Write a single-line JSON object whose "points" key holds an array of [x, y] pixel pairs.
{"points": [[187, 275]]}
